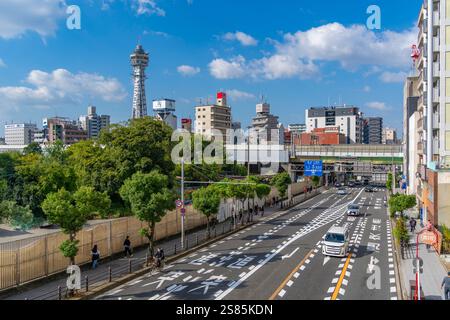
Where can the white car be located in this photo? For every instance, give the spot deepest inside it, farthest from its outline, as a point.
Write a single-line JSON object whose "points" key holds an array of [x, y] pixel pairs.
{"points": [[342, 191], [336, 242]]}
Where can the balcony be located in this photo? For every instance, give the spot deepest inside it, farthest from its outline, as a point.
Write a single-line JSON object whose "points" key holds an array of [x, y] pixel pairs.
{"points": [[436, 70], [436, 146], [436, 120], [436, 19], [435, 95], [420, 148], [436, 44], [420, 125]]}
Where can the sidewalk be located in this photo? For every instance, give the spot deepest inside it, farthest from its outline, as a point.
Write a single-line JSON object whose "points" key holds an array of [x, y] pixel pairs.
{"points": [[433, 270]]}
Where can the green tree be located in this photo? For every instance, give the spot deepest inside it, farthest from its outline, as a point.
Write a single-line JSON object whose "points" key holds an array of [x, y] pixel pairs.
{"points": [[142, 145], [207, 201], [33, 147], [281, 181], [389, 182], [149, 197], [17, 216], [71, 212], [401, 231], [401, 203], [315, 181]]}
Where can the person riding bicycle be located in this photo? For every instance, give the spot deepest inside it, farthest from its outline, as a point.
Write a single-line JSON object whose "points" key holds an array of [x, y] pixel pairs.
{"points": [[159, 256]]}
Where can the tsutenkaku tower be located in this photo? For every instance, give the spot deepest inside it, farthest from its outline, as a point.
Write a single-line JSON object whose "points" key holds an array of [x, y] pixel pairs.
{"points": [[139, 62]]}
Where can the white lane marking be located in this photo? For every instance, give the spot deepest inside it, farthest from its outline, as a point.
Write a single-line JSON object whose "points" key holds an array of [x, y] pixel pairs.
{"points": [[290, 283], [331, 289], [337, 211], [282, 293]]}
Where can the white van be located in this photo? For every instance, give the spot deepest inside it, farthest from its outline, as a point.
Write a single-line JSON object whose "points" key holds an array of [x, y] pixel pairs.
{"points": [[336, 242]]}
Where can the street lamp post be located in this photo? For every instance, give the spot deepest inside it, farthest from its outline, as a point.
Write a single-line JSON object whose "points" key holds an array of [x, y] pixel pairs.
{"points": [[182, 204]]}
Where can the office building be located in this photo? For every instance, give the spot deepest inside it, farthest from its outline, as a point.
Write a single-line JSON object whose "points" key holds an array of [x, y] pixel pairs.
{"points": [[65, 130], [213, 117], [19, 133], [389, 136], [139, 61], [164, 110], [348, 119], [93, 123], [373, 130]]}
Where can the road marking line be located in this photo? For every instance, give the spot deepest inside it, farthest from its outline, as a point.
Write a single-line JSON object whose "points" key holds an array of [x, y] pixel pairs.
{"points": [[296, 275], [285, 281], [335, 280], [290, 283], [331, 289], [282, 293], [393, 289]]}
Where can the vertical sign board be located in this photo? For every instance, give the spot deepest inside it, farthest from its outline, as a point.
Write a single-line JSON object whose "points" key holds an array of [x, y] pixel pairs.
{"points": [[313, 168]]}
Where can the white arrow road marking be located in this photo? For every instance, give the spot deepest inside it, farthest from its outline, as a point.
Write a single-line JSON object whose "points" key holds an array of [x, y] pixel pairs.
{"points": [[325, 260], [289, 255]]}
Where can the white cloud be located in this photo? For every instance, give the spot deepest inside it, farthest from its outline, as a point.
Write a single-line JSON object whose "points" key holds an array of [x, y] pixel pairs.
{"points": [[351, 46], [245, 39], [300, 54], [367, 89], [58, 88], [20, 17], [381, 106], [393, 77], [2, 63], [149, 7], [142, 7], [188, 70], [239, 95], [156, 33], [233, 69]]}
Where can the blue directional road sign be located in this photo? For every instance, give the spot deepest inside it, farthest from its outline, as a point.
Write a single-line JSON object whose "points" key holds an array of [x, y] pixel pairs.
{"points": [[313, 168]]}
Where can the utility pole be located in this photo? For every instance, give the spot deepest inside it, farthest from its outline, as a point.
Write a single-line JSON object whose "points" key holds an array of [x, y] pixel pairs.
{"points": [[248, 152], [182, 203]]}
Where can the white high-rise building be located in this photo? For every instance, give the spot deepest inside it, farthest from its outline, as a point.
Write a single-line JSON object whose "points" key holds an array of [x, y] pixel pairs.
{"points": [[19, 133], [432, 129], [139, 62], [348, 119]]}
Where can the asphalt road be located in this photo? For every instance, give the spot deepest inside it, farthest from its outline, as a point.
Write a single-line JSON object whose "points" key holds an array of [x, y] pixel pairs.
{"points": [[281, 258]]}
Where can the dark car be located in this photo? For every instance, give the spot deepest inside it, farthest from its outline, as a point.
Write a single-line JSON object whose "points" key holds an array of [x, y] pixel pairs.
{"points": [[351, 184], [337, 185], [369, 189]]}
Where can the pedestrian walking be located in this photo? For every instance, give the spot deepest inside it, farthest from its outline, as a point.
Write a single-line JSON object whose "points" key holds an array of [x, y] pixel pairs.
{"points": [[95, 256], [446, 285], [412, 224], [127, 247], [262, 211]]}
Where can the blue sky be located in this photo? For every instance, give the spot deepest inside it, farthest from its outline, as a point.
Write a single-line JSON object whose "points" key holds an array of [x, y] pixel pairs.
{"points": [[296, 53]]}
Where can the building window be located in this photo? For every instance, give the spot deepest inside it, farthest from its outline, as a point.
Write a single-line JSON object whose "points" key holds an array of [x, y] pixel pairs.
{"points": [[447, 8], [447, 87]]}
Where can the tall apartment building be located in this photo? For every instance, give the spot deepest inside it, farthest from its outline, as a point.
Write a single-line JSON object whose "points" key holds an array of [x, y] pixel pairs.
{"points": [[216, 116], [389, 136], [93, 123], [433, 125], [411, 137], [373, 130], [265, 127], [19, 133], [348, 119], [65, 130]]}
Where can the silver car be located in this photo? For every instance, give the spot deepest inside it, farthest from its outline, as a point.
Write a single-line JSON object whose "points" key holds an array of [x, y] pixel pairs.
{"points": [[353, 210]]}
